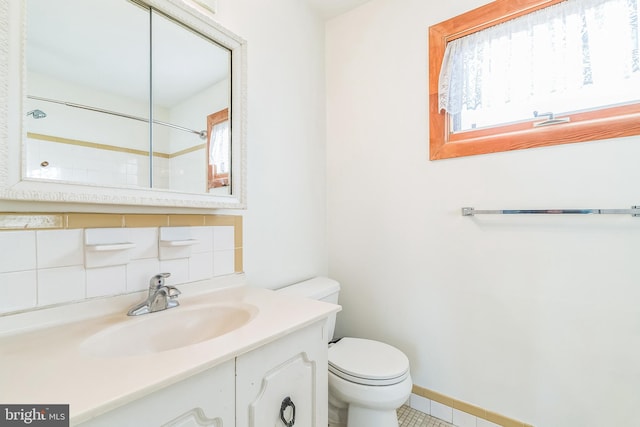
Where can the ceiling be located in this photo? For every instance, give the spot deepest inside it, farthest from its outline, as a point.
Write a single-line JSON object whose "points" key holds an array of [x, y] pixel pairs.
{"points": [[331, 8]]}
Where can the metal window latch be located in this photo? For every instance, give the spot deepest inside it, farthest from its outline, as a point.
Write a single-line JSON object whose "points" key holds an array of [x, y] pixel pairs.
{"points": [[551, 120]]}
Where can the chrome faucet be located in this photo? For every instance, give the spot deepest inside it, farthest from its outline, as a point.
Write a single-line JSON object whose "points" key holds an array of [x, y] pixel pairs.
{"points": [[161, 297]]}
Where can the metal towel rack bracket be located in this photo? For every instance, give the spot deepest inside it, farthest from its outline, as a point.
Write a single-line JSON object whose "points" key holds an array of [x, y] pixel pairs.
{"points": [[634, 211]]}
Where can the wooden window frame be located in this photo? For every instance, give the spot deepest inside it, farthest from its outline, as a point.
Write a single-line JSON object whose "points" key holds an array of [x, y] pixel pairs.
{"points": [[614, 122]]}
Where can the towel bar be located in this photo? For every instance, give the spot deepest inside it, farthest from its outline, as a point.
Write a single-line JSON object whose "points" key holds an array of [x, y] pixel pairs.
{"points": [[634, 211]]}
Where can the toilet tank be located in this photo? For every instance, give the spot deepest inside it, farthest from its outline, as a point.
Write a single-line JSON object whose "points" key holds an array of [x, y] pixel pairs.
{"points": [[318, 288]]}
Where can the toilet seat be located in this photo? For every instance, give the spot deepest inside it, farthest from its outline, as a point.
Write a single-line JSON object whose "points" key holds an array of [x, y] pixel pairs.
{"points": [[367, 362]]}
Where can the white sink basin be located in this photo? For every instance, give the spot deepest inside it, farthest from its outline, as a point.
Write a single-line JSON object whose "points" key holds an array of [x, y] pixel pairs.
{"points": [[167, 330]]}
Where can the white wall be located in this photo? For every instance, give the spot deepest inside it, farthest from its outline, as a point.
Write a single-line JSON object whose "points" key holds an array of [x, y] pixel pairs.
{"points": [[285, 224], [536, 318]]}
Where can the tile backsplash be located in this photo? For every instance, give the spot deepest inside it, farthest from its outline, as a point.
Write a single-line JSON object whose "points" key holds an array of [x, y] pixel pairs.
{"points": [[44, 267]]}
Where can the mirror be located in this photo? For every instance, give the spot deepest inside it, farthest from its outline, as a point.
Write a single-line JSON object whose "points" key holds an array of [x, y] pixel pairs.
{"points": [[150, 110]]}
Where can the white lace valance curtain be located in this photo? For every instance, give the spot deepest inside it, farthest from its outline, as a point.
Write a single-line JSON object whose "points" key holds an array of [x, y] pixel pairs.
{"points": [[219, 147], [554, 50]]}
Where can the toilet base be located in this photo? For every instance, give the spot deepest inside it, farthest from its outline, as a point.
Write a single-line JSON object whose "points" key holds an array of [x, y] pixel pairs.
{"points": [[357, 405], [341, 415], [367, 417], [337, 413]]}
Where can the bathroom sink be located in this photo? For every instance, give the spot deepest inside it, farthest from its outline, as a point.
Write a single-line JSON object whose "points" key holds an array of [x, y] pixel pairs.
{"points": [[167, 330]]}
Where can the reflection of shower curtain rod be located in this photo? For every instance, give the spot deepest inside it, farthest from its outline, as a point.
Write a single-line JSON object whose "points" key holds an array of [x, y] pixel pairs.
{"points": [[202, 134]]}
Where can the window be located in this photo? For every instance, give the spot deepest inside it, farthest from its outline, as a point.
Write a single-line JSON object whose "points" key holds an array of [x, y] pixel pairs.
{"points": [[218, 147], [531, 73]]}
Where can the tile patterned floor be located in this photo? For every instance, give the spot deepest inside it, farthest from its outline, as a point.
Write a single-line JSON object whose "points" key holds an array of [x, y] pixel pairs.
{"points": [[409, 417]]}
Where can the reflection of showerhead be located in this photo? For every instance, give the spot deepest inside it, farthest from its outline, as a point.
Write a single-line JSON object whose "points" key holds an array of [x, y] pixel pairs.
{"points": [[37, 114]]}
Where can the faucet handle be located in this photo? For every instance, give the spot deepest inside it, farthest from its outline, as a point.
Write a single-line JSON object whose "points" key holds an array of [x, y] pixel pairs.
{"points": [[173, 292], [157, 281]]}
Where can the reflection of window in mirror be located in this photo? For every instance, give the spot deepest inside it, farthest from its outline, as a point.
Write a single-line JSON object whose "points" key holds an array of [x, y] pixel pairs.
{"points": [[218, 147]]}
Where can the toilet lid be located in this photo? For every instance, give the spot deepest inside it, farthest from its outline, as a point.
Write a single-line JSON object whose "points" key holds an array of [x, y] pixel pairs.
{"points": [[367, 362]]}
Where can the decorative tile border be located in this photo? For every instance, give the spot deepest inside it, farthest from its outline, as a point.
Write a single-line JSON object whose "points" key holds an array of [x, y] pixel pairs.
{"points": [[474, 410], [20, 221]]}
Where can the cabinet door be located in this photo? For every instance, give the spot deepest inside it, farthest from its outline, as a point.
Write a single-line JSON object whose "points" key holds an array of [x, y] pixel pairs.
{"points": [[206, 399], [290, 372]]}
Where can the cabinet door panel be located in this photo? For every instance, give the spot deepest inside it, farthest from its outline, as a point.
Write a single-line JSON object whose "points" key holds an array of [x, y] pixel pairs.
{"points": [[294, 366], [293, 379]]}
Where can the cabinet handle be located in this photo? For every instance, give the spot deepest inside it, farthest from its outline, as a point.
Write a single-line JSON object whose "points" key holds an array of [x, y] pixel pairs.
{"points": [[287, 402]]}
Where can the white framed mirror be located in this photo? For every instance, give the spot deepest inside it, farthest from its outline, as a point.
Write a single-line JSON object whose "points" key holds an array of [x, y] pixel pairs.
{"points": [[151, 111]]}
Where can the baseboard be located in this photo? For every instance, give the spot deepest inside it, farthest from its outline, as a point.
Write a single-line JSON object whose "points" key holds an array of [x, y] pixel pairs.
{"points": [[468, 408]]}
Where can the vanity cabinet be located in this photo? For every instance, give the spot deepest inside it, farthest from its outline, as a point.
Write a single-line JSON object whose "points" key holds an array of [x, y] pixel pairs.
{"points": [[286, 377], [206, 399]]}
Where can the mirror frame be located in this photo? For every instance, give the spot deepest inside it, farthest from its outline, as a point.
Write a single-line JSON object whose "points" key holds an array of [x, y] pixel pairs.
{"points": [[13, 129]]}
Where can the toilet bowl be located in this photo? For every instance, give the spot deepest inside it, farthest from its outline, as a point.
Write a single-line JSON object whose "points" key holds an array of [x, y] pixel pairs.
{"points": [[368, 380]]}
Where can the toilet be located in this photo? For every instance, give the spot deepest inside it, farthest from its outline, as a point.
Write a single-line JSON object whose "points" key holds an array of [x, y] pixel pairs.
{"points": [[368, 380]]}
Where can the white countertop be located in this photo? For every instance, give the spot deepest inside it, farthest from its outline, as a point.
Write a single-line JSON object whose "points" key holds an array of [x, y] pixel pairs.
{"points": [[46, 365]]}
